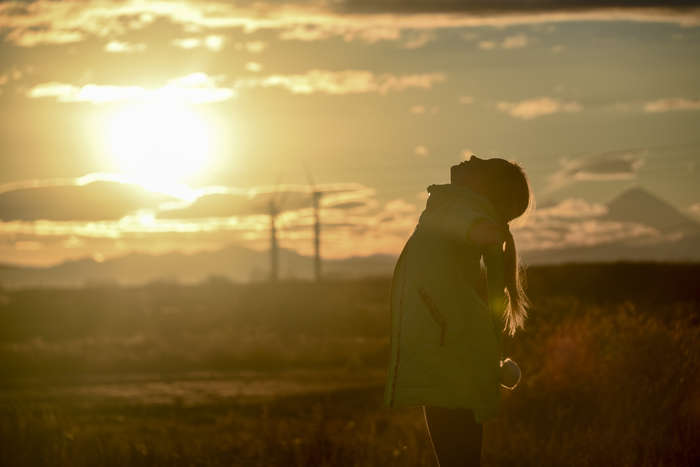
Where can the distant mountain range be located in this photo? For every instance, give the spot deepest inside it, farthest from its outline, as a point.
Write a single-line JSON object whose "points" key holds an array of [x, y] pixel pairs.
{"points": [[680, 242], [234, 263]]}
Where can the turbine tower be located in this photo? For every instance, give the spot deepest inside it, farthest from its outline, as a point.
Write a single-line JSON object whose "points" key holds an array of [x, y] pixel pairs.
{"points": [[316, 196], [274, 250], [275, 206]]}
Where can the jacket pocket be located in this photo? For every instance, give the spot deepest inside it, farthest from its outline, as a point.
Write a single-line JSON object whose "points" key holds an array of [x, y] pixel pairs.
{"points": [[434, 311]]}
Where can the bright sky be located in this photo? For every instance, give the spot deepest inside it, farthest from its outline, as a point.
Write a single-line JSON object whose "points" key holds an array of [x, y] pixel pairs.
{"points": [[160, 126]]}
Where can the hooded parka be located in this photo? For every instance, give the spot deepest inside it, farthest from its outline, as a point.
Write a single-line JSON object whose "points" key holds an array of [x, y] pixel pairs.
{"points": [[445, 339]]}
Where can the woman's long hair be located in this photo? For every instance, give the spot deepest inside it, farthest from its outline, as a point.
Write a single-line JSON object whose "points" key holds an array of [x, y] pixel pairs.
{"points": [[512, 200], [518, 303]]}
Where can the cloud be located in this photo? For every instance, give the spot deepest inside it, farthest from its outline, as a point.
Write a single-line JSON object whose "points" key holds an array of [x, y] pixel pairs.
{"points": [[49, 22], [253, 67], [671, 104], [124, 47], [571, 208], [571, 233], [349, 205], [400, 206], [320, 28], [358, 225], [253, 47], [31, 38], [193, 88], [517, 41], [13, 74], [558, 48], [187, 42], [198, 88], [353, 221], [211, 42], [694, 209], [418, 40], [346, 82], [94, 93], [421, 151], [47, 221], [97, 207], [99, 200], [28, 245], [537, 107], [306, 33], [500, 6], [222, 205], [214, 42], [466, 100], [618, 165], [287, 198], [576, 222]]}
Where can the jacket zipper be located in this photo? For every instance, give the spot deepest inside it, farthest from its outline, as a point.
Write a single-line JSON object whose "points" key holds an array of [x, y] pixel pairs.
{"points": [[435, 313]]}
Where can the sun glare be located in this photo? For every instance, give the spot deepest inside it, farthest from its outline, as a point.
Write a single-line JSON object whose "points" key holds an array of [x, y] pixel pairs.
{"points": [[158, 143]]}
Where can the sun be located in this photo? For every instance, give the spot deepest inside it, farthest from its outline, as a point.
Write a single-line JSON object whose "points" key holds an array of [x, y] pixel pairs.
{"points": [[159, 143]]}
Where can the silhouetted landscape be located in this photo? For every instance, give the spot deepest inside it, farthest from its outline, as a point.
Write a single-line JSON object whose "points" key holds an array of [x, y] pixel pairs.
{"points": [[219, 373]]}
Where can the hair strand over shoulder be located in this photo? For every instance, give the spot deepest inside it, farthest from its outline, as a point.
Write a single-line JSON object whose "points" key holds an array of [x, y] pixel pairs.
{"points": [[518, 303]]}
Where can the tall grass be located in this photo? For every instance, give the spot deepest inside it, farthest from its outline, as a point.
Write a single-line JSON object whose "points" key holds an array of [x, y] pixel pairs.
{"points": [[611, 374]]}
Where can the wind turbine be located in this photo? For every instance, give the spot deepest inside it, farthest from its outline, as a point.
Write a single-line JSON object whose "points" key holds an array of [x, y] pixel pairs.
{"points": [[274, 208], [316, 196]]}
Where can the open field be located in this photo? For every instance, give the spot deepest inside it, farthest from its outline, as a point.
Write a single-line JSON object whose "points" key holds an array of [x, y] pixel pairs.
{"points": [[291, 374]]}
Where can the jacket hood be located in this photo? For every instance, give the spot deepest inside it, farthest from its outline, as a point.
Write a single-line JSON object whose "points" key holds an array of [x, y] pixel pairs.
{"points": [[449, 194]]}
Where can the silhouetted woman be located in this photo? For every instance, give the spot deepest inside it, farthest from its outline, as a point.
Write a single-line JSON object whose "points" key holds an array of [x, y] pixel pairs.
{"points": [[446, 337]]}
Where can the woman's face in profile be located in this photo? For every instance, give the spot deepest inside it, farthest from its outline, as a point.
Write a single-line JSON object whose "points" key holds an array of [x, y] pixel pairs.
{"points": [[475, 172]]}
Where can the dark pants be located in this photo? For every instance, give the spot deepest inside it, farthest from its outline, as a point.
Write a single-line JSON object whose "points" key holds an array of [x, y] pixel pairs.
{"points": [[455, 435]]}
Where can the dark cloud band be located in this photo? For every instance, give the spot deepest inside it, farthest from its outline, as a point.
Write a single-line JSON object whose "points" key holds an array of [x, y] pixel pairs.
{"points": [[95, 201], [502, 6], [244, 204]]}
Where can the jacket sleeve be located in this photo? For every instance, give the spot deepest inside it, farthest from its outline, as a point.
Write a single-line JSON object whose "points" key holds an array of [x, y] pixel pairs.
{"points": [[495, 276]]}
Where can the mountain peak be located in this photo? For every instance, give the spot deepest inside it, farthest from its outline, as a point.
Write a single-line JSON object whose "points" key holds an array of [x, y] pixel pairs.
{"points": [[640, 206], [636, 193]]}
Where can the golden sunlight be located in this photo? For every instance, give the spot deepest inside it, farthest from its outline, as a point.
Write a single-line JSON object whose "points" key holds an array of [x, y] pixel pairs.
{"points": [[159, 143]]}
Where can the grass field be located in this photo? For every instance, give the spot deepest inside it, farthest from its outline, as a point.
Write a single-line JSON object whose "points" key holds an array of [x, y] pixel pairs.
{"points": [[291, 374]]}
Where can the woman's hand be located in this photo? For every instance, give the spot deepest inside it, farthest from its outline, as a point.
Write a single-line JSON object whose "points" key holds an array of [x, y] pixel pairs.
{"points": [[485, 232]]}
